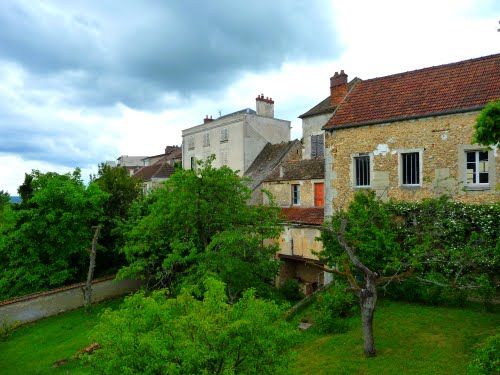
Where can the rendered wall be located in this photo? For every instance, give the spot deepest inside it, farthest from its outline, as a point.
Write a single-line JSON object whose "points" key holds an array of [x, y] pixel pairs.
{"points": [[45, 304]]}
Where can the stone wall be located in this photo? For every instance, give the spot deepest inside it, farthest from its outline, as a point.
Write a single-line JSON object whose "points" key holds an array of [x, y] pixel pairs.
{"points": [[300, 241], [442, 141], [41, 305], [282, 192]]}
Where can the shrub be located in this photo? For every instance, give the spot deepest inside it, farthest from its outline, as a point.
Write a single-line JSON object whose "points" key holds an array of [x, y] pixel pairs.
{"points": [[334, 305], [6, 329], [184, 335], [486, 358], [291, 290]]}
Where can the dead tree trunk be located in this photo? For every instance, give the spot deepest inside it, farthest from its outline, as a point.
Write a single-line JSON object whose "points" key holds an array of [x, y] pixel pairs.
{"points": [[87, 289]]}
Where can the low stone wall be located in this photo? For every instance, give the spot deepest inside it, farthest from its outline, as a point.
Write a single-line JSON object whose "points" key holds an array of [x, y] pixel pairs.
{"points": [[41, 305]]}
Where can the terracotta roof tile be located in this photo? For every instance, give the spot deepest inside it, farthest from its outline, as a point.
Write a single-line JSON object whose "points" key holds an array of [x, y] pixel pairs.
{"points": [[462, 86], [304, 215]]}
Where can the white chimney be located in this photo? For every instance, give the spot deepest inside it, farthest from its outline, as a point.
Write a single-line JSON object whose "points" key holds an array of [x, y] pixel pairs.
{"points": [[264, 106]]}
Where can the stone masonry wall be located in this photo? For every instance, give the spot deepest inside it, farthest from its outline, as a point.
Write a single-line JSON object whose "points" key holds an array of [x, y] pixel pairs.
{"points": [[442, 140], [282, 192]]}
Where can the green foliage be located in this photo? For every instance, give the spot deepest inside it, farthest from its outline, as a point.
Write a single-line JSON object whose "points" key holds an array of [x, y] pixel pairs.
{"points": [[333, 306], [6, 329], [369, 230], [154, 334], [458, 246], [122, 191], [487, 127], [43, 245], [4, 199], [200, 223], [291, 290], [486, 358]]}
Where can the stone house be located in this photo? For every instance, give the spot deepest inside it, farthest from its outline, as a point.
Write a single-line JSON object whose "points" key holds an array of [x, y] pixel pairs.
{"points": [[158, 168], [235, 139], [297, 187], [408, 136]]}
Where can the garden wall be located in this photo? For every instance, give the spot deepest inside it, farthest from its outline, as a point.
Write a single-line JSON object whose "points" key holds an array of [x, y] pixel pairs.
{"points": [[41, 305]]}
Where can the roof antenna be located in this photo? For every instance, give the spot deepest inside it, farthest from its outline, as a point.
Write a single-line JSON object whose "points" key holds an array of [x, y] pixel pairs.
{"points": [[220, 113]]}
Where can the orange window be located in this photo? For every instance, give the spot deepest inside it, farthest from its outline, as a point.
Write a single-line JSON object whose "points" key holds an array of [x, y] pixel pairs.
{"points": [[319, 194]]}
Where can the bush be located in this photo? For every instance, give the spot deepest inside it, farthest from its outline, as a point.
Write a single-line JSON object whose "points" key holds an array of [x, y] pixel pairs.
{"points": [[334, 305], [6, 329], [291, 290], [486, 358], [184, 335]]}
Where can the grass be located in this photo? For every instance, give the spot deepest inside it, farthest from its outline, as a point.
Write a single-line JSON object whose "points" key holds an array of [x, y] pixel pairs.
{"points": [[33, 348], [410, 339]]}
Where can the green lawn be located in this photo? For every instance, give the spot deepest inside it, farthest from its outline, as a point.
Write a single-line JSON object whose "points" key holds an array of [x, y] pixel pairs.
{"points": [[411, 339], [33, 348]]}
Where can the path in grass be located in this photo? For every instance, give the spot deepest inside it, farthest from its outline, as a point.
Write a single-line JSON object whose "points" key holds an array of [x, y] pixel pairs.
{"points": [[33, 348], [410, 339]]}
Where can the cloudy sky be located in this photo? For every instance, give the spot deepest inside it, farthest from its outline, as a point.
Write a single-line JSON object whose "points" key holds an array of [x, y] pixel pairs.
{"points": [[86, 81]]}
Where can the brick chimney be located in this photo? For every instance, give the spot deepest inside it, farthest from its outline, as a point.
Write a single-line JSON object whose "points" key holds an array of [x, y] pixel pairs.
{"points": [[207, 119], [264, 106], [338, 88]]}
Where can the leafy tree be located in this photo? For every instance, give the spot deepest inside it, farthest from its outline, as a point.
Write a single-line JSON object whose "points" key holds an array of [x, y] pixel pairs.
{"points": [[199, 223], [4, 198], [122, 191], [45, 243], [373, 244], [157, 335], [487, 127]]}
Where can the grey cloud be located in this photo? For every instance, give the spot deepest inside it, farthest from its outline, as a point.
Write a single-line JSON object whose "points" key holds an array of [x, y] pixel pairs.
{"points": [[131, 52], [65, 144]]}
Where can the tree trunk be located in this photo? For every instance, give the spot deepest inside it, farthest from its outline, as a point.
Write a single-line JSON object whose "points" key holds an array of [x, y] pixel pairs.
{"points": [[87, 289], [368, 301]]}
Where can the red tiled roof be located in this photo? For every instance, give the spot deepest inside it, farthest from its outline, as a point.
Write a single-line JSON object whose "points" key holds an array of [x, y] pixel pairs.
{"points": [[303, 215], [463, 86]]}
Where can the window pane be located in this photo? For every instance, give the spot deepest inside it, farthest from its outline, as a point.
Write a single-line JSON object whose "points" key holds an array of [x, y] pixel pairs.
{"points": [[483, 178], [483, 156], [471, 156], [410, 168], [362, 170]]}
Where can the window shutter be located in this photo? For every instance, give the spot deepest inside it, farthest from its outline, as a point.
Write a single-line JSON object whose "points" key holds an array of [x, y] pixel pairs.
{"points": [[320, 146], [314, 146]]}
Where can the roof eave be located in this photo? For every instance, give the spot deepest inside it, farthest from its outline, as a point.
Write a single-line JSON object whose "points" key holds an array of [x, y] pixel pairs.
{"points": [[404, 118]]}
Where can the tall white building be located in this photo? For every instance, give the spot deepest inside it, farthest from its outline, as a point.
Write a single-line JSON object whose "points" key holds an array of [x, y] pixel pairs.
{"points": [[235, 139]]}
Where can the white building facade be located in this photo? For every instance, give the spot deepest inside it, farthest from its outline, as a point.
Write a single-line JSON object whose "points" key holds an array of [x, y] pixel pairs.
{"points": [[235, 139]]}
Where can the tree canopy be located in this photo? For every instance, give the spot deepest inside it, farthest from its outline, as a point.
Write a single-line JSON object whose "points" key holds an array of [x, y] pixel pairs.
{"points": [[487, 127], [44, 243], [200, 223], [185, 335]]}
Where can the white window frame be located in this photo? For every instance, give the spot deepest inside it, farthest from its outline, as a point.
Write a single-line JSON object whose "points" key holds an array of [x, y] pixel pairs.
{"points": [[478, 185], [295, 202], [353, 169], [420, 152]]}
